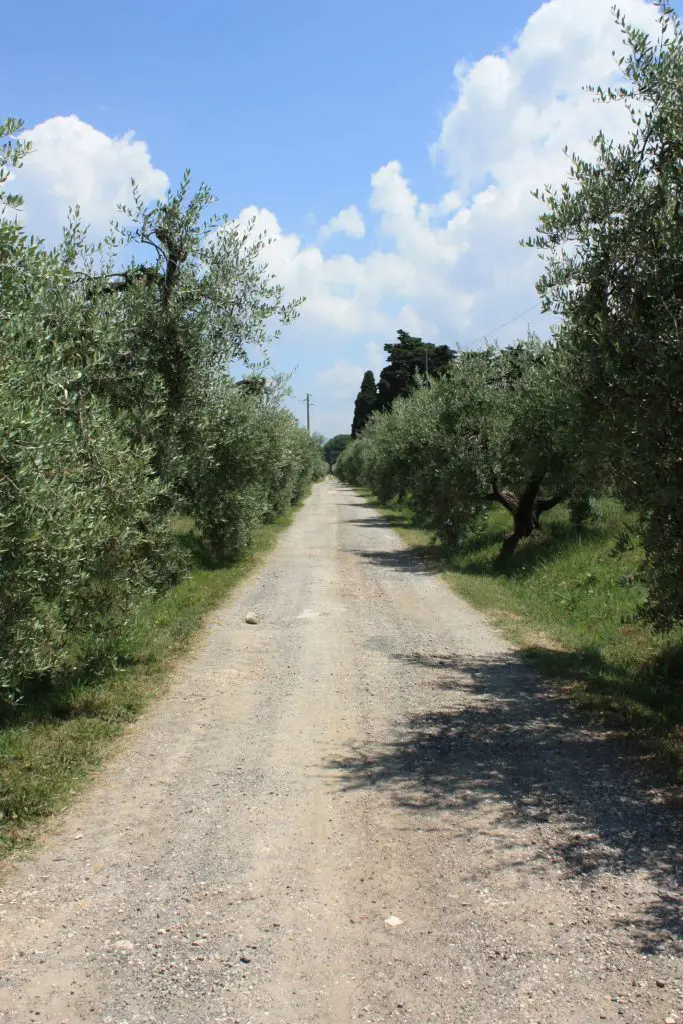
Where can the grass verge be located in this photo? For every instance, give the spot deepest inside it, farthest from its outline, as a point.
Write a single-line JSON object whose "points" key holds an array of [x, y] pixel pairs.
{"points": [[570, 602], [53, 741]]}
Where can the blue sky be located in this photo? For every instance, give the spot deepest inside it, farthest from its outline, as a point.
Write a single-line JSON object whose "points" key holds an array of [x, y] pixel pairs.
{"points": [[396, 189]]}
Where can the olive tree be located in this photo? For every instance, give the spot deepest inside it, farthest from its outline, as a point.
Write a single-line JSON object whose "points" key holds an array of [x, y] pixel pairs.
{"points": [[612, 238], [496, 427], [204, 303], [80, 537], [251, 463]]}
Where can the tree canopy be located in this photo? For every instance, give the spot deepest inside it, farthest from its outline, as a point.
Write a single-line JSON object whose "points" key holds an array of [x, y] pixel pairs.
{"points": [[407, 357]]}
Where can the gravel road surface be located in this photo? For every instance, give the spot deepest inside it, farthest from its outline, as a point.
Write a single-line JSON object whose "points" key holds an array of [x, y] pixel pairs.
{"points": [[363, 807]]}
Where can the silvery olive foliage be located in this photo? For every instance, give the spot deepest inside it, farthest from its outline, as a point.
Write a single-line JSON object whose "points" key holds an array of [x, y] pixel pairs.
{"points": [[612, 242], [495, 427], [118, 409], [600, 407]]}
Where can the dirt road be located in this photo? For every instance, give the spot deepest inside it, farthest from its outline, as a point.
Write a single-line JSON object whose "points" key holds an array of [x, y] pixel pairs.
{"points": [[370, 753]]}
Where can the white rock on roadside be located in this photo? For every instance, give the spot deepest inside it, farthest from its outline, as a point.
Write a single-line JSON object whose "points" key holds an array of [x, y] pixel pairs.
{"points": [[251, 618]]}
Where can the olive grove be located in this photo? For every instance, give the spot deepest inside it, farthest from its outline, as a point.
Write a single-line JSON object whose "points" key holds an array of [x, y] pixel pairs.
{"points": [[599, 407], [120, 410]]}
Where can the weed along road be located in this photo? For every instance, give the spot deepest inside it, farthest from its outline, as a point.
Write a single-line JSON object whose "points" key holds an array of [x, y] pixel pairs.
{"points": [[361, 806]]}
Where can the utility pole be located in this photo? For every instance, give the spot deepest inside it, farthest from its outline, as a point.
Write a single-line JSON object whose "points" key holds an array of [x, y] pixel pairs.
{"points": [[427, 364], [308, 412]]}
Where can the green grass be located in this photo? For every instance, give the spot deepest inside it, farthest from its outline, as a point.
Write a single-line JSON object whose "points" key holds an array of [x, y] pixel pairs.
{"points": [[50, 745], [570, 601]]}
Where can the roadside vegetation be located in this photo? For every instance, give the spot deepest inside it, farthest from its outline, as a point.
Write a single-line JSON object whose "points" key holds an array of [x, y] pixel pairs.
{"points": [[52, 740], [120, 410], [571, 601], [130, 402], [550, 474]]}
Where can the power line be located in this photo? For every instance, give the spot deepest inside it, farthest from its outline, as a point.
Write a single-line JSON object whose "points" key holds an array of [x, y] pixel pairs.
{"points": [[506, 324], [500, 327]]}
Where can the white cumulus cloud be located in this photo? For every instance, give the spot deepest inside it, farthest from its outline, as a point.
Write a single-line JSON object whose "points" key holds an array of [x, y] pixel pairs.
{"points": [[453, 269], [348, 221], [341, 382], [335, 389], [72, 164]]}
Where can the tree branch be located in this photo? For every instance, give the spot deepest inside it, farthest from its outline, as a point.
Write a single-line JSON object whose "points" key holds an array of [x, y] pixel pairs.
{"points": [[507, 499], [545, 504]]}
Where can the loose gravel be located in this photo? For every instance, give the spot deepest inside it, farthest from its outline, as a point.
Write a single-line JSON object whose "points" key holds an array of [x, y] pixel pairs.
{"points": [[359, 806]]}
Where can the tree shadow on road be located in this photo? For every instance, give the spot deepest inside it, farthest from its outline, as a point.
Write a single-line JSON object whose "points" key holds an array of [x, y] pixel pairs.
{"points": [[503, 741], [378, 522], [412, 560]]}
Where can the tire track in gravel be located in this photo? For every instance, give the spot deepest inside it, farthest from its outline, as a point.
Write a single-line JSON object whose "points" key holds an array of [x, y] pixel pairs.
{"points": [[372, 748]]}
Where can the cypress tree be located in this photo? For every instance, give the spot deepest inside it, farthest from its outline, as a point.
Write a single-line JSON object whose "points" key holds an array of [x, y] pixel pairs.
{"points": [[366, 403]]}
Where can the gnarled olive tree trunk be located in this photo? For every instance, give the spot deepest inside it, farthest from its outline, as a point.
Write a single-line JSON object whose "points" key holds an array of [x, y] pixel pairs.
{"points": [[525, 509]]}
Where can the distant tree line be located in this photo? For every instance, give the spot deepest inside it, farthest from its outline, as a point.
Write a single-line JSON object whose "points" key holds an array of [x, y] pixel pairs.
{"points": [[333, 448], [600, 406]]}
